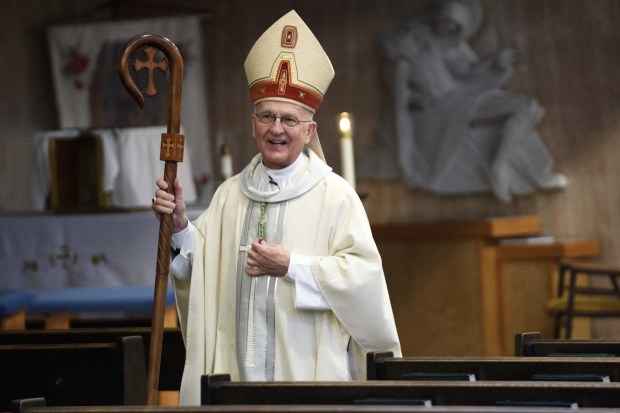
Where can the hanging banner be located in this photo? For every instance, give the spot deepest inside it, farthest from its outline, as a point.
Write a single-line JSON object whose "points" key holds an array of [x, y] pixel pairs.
{"points": [[89, 93]]}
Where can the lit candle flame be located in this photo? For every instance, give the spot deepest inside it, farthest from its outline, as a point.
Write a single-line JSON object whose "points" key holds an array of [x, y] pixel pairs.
{"points": [[346, 148]]}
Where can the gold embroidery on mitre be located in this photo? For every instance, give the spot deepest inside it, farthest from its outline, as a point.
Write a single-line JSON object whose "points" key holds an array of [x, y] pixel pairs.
{"points": [[283, 81], [289, 37]]}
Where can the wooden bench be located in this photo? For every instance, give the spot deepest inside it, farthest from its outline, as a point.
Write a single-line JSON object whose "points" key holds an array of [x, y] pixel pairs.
{"points": [[13, 303], [532, 344], [306, 409], [173, 347], [382, 366], [74, 374], [219, 390], [57, 306]]}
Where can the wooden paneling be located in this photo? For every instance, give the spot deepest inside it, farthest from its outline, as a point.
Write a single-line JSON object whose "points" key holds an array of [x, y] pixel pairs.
{"points": [[435, 298], [460, 292]]}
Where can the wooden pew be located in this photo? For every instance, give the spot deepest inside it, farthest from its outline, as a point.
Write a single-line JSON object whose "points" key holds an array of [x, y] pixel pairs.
{"points": [[219, 390], [173, 347], [74, 374], [382, 366], [309, 409], [532, 344]]}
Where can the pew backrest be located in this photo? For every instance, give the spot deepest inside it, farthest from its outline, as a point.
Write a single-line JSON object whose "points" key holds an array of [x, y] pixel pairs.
{"points": [[532, 344], [307, 409], [219, 390], [173, 347], [496, 368], [74, 374]]}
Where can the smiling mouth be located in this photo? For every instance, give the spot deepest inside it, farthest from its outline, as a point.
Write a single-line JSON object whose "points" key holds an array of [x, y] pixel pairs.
{"points": [[277, 142]]}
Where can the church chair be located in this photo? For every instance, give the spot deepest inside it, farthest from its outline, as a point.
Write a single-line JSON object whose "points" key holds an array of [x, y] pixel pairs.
{"points": [[76, 174], [74, 374], [598, 295], [218, 389], [586, 369], [532, 344], [13, 303]]}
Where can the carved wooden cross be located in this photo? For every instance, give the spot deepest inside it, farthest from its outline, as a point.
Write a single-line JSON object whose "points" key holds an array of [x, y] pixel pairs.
{"points": [[150, 65], [172, 145]]}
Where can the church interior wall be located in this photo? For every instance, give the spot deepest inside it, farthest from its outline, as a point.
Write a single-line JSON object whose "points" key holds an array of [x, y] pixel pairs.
{"points": [[568, 49]]}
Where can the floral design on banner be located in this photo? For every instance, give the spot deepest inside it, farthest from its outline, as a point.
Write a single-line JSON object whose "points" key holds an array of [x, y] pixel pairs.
{"points": [[75, 64]]}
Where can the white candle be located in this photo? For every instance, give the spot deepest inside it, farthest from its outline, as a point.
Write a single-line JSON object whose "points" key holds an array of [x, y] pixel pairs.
{"points": [[346, 148], [226, 162]]}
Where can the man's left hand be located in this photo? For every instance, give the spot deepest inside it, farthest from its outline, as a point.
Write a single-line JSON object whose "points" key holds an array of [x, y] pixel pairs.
{"points": [[267, 259]]}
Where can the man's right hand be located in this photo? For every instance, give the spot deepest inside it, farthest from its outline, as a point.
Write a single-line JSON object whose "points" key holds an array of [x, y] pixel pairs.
{"points": [[166, 203]]}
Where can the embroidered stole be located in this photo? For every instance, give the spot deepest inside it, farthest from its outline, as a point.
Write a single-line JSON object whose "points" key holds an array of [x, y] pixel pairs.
{"points": [[256, 304]]}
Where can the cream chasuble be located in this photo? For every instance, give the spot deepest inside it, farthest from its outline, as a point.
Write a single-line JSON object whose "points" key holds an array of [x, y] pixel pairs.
{"points": [[250, 327]]}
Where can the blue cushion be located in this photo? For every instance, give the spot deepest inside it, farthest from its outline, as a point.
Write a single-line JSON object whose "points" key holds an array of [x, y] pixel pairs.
{"points": [[84, 299], [14, 299]]}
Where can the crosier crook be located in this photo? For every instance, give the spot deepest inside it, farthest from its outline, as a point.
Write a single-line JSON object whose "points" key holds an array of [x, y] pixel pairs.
{"points": [[172, 143]]}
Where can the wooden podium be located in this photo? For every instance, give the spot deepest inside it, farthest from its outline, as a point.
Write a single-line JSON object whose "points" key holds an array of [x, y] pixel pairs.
{"points": [[457, 290]]}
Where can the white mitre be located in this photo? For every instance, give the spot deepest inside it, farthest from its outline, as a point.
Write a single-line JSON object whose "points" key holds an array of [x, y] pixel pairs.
{"points": [[287, 63]]}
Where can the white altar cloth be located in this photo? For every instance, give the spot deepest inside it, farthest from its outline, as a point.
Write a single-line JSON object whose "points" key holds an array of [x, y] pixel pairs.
{"points": [[130, 165], [138, 156], [46, 251]]}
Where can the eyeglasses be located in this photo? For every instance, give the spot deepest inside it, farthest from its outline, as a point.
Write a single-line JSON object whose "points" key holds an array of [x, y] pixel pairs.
{"points": [[267, 118]]}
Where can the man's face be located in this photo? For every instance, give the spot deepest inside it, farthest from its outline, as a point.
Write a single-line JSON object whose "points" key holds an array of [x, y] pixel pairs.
{"points": [[278, 143]]}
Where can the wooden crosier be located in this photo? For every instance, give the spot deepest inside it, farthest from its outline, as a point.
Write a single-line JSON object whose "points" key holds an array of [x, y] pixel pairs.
{"points": [[172, 145]]}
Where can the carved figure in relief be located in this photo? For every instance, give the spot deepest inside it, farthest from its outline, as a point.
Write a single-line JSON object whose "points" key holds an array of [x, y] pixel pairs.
{"points": [[456, 129]]}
